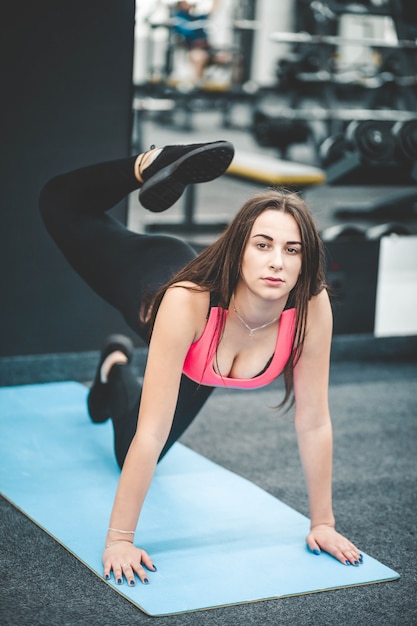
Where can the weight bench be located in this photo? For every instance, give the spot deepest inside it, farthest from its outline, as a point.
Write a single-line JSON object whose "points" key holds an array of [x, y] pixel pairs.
{"points": [[269, 170]]}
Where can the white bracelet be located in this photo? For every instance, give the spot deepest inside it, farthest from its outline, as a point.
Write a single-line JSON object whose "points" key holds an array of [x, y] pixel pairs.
{"points": [[124, 532], [113, 543]]}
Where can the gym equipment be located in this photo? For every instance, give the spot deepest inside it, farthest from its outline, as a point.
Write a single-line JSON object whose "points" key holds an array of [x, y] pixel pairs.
{"points": [[332, 149], [352, 274], [405, 133], [340, 232], [369, 131], [376, 140], [372, 139], [318, 114], [388, 77], [398, 202], [196, 522], [335, 40], [354, 169], [373, 152], [347, 78], [386, 230], [268, 170], [279, 132]]}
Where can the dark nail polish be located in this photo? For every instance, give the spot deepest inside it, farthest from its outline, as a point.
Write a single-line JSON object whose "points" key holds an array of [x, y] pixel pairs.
{"points": [[119, 581], [347, 562], [132, 583], [146, 581], [316, 551], [356, 562], [107, 577], [361, 558], [154, 568]]}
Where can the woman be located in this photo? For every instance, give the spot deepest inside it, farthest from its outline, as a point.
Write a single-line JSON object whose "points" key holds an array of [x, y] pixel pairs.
{"points": [[190, 24], [249, 307]]}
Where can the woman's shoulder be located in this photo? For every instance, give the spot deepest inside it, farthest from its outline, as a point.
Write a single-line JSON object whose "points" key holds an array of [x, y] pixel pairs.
{"points": [[188, 294], [188, 300]]}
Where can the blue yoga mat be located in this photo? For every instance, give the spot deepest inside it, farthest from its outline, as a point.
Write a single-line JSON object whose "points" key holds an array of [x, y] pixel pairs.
{"points": [[216, 538]]}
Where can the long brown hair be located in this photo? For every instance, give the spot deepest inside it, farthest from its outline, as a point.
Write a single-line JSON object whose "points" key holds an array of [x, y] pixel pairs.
{"points": [[217, 268]]}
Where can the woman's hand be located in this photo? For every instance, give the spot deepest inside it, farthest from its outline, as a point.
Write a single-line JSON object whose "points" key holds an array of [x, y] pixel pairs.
{"points": [[326, 538], [124, 559]]}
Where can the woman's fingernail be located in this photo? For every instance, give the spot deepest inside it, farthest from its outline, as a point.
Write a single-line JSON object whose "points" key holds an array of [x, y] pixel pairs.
{"points": [[146, 581], [356, 562], [347, 562], [119, 581], [361, 558], [107, 577], [154, 568], [132, 583], [316, 551]]}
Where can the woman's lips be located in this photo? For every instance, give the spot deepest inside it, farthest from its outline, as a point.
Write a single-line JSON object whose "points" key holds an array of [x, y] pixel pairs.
{"points": [[270, 280]]}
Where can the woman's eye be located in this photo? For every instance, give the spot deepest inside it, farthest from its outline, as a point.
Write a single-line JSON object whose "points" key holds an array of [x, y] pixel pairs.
{"points": [[262, 245]]}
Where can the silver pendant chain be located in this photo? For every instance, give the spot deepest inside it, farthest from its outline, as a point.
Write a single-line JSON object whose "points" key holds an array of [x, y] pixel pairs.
{"points": [[251, 330]]}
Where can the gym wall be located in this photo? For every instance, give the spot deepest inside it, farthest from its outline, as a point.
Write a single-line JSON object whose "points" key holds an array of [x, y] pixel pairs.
{"points": [[66, 102]]}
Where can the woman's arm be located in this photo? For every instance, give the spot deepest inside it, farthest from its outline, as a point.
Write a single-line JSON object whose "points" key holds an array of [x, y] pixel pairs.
{"points": [[314, 431], [168, 348]]}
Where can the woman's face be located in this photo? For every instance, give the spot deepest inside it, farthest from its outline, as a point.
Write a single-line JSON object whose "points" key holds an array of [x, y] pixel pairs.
{"points": [[272, 258]]}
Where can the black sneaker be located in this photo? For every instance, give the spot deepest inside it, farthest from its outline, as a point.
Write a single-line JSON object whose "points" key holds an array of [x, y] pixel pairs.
{"points": [[97, 400], [178, 166]]}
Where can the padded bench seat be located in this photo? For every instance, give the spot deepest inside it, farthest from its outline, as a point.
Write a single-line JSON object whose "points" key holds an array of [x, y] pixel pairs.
{"points": [[270, 170]]}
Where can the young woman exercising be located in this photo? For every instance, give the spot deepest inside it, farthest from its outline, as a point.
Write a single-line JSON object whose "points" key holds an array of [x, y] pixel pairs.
{"points": [[250, 307]]}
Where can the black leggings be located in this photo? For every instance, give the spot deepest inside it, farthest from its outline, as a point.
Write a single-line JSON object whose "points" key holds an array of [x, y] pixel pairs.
{"points": [[122, 267]]}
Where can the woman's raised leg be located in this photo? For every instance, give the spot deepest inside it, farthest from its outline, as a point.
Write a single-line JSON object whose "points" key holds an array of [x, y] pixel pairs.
{"points": [[123, 266], [118, 264]]}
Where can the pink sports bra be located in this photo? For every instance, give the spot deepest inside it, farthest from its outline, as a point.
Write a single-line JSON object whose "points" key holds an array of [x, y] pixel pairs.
{"points": [[199, 366]]}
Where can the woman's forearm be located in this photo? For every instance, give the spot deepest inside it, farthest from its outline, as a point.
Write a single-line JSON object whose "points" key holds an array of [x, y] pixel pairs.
{"points": [[315, 446], [137, 473]]}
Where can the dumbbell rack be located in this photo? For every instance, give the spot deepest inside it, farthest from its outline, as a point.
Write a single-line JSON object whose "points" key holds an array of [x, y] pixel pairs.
{"points": [[399, 85]]}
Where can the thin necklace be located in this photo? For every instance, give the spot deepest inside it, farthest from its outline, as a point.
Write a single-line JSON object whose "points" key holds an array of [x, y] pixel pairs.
{"points": [[251, 330]]}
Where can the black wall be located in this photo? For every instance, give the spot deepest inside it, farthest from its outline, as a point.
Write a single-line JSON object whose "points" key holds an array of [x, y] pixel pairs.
{"points": [[66, 88]]}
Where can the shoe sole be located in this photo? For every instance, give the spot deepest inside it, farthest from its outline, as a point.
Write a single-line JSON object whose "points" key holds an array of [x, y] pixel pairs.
{"points": [[197, 166]]}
